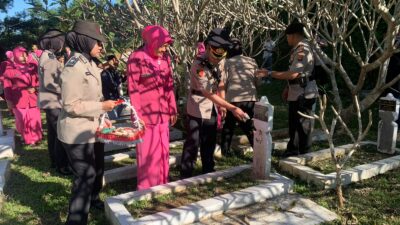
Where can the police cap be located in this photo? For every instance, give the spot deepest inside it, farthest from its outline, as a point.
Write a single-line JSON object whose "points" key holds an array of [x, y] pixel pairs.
{"points": [[51, 33], [218, 38], [90, 29]]}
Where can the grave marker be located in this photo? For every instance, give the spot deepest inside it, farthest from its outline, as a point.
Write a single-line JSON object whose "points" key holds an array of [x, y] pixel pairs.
{"points": [[263, 121], [387, 126]]}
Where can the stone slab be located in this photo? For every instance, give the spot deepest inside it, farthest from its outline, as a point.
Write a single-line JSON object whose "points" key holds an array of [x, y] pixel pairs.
{"points": [[108, 147], [115, 206], [206, 208], [180, 185], [290, 209], [297, 167], [4, 173], [119, 156], [175, 144], [128, 172], [118, 214]]}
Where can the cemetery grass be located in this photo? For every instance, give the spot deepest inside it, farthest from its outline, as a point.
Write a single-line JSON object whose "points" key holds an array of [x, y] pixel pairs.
{"points": [[192, 194], [366, 154]]}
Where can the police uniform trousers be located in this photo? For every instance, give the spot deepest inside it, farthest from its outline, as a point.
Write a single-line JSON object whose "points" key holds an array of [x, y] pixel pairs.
{"points": [[87, 163], [300, 128], [230, 125], [58, 156], [200, 133]]}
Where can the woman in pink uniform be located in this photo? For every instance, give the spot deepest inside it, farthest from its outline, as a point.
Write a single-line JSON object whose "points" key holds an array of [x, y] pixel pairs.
{"points": [[151, 90], [20, 83]]}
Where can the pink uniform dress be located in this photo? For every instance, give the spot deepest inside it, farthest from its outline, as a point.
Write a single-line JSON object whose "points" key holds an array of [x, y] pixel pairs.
{"points": [[7, 64], [151, 91], [17, 80]]}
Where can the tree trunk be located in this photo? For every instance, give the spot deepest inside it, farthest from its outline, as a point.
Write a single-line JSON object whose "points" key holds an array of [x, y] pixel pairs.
{"points": [[339, 192]]}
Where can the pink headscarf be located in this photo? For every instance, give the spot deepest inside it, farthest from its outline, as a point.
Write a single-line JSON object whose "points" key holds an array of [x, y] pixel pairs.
{"points": [[26, 67], [5, 64], [38, 52], [10, 55], [201, 48], [155, 36], [18, 52]]}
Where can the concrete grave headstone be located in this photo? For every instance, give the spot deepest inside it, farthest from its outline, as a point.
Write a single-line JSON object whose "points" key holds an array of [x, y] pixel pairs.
{"points": [[263, 121], [387, 127]]}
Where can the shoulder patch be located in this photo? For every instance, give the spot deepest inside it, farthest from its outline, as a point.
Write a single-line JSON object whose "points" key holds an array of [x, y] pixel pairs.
{"points": [[200, 72], [51, 56], [300, 56], [83, 59], [72, 61], [300, 48]]}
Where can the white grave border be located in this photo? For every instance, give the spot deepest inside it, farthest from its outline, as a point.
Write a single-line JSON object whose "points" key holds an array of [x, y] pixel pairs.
{"points": [[296, 166], [7, 146], [118, 214]]}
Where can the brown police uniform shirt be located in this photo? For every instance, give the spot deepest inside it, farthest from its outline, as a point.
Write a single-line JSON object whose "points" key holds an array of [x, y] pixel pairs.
{"points": [[81, 94], [200, 79], [239, 79], [49, 77], [302, 61]]}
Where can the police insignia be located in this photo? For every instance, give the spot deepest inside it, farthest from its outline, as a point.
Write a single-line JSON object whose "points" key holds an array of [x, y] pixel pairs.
{"points": [[300, 52], [51, 56], [72, 61], [201, 73], [300, 56]]}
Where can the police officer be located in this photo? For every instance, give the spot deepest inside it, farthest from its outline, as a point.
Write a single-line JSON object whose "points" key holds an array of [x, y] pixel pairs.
{"points": [[240, 86], [202, 102], [302, 89], [82, 106], [49, 99]]}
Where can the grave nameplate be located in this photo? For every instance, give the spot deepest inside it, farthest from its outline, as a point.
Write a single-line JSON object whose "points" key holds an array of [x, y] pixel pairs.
{"points": [[261, 112], [387, 105]]}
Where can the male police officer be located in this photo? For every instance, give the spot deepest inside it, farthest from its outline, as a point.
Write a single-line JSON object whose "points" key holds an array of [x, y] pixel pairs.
{"points": [[302, 89], [201, 105]]}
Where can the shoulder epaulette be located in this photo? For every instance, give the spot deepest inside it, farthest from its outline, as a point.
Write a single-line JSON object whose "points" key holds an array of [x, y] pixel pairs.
{"points": [[72, 61], [83, 59]]}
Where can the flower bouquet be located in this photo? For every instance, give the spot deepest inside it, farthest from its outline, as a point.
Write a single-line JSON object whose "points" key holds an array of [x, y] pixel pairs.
{"points": [[107, 133]]}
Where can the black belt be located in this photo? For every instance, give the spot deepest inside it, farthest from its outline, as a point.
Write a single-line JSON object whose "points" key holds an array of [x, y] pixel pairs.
{"points": [[297, 80], [197, 92]]}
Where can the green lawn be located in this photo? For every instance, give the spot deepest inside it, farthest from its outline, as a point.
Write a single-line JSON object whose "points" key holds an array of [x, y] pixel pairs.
{"points": [[36, 195]]}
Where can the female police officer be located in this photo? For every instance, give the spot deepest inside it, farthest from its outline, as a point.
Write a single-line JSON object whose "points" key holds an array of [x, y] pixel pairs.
{"points": [[49, 68], [202, 102], [82, 106]]}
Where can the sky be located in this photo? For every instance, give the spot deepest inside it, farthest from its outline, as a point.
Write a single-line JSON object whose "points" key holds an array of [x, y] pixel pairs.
{"points": [[17, 6]]}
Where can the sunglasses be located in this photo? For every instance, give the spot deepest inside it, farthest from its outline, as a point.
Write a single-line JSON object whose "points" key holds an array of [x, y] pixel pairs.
{"points": [[218, 53]]}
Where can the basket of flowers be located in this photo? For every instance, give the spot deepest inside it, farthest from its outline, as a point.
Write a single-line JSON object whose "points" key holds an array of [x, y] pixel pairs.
{"points": [[107, 133]]}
